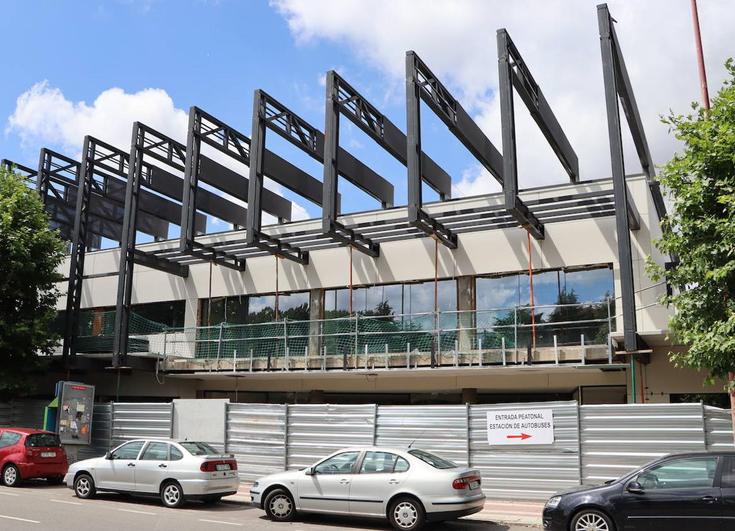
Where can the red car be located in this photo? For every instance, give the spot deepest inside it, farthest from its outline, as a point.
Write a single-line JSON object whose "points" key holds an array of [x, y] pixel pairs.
{"points": [[27, 453]]}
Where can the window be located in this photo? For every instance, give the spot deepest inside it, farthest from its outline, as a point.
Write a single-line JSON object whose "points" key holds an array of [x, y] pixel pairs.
{"points": [[9, 438], [401, 465], [41, 440], [342, 463], [433, 460], [378, 462], [155, 451], [128, 450], [728, 473], [176, 454], [690, 472], [198, 448]]}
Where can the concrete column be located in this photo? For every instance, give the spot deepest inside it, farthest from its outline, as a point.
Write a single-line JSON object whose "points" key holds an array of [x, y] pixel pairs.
{"points": [[467, 318], [316, 312], [469, 395]]}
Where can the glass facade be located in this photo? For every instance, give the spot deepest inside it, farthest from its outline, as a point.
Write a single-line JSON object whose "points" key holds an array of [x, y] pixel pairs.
{"points": [[243, 309], [567, 304], [391, 299]]}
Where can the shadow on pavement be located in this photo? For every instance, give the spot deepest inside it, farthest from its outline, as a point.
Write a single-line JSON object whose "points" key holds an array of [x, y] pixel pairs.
{"points": [[346, 522]]}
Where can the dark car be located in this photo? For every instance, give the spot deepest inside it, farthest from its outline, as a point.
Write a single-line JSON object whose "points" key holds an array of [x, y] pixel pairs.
{"points": [[27, 453], [681, 492]]}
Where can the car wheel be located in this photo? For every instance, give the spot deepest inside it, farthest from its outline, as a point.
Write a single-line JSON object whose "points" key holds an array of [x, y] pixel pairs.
{"points": [[11, 476], [84, 486], [55, 480], [406, 514], [210, 500], [172, 495], [591, 520], [279, 506]]}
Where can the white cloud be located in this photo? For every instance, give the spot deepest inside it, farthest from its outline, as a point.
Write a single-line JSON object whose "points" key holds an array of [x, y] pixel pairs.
{"points": [[558, 39], [44, 116], [475, 181]]}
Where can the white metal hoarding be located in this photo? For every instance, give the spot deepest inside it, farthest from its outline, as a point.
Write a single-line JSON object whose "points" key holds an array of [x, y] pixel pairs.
{"points": [[520, 427]]}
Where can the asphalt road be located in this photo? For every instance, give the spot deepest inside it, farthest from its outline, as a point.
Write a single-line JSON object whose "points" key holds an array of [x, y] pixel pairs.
{"points": [[37, 506]]}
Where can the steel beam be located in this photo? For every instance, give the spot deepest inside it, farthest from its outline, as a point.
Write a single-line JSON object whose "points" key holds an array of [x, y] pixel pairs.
{"points": [[422, 84], [513, 72], [625, 220]]}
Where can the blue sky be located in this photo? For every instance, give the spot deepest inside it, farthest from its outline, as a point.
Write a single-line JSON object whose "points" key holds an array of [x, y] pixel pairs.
{"points": [[214, 54]]}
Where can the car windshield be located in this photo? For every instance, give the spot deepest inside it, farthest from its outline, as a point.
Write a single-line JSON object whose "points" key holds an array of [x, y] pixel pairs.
{"points": [[198, 448], [433, 460], [42, 440]]}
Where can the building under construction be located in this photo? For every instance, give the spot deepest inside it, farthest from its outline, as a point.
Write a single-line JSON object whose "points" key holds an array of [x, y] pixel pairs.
{"points": [[527, 294]]}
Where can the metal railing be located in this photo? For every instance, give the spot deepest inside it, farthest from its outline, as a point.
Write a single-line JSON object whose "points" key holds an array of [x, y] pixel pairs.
{"points": [[568, 333]]}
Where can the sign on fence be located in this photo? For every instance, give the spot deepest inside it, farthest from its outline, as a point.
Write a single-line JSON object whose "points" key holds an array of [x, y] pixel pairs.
{"points": [[520, 427]]}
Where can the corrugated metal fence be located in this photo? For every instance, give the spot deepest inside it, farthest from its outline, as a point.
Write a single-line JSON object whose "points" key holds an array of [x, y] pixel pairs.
{"points": [[591, 443], [135, 420]]}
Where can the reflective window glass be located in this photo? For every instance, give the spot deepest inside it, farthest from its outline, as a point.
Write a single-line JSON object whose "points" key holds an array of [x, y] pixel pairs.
{"points": [[691, 472], [128, 451], [378, 462], [339, 464], [155, 451]]}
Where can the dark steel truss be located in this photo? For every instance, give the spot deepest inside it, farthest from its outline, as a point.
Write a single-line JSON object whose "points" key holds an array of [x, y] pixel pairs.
{"points": [[618, 90], [422, 84], [268, 113], [102, 171], [342, 98], [514, 73], [205, 128]]}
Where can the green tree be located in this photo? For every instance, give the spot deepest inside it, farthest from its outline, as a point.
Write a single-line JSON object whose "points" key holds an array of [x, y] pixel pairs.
{"points": [[700, 230], [30, 252]]}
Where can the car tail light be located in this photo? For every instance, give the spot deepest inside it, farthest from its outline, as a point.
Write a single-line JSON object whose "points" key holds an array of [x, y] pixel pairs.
{"points": [[211, 466], [464, 482]]}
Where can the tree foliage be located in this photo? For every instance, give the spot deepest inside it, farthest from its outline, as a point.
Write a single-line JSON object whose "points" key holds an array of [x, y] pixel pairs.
{"points": [[700, 230], [30, 252]]}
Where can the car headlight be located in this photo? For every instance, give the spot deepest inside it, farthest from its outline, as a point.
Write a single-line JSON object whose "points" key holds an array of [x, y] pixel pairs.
{"points": [[553, 502]]}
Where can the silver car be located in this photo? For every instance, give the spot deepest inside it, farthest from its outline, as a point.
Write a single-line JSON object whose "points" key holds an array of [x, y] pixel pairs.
{"points": [[174, 470], [407, 486]]}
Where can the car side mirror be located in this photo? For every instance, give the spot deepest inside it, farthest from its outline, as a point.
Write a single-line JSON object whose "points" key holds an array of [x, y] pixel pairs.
{"points": [[309, 471], [634, 488], [108, 455]]}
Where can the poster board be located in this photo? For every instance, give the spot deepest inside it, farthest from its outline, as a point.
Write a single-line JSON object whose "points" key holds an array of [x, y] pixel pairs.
{"points": [[76, 405], [520, 427]]}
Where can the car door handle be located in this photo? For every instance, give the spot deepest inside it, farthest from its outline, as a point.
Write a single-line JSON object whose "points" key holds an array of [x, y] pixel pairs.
{"points": [[131, 464], [393, 481], [709, 499], [344, 481], [162, 465]]}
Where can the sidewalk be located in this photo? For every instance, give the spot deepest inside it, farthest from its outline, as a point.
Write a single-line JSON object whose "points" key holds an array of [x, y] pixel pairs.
{"points": [[506, 512]]}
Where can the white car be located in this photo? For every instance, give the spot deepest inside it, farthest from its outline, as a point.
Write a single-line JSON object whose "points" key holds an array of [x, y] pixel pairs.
{"points": [[407, 486], [174, 470]]}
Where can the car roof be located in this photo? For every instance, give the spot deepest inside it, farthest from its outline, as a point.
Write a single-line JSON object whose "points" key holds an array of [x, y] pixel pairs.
{"points": [[700, 454], [26, 431], [391, 449]]}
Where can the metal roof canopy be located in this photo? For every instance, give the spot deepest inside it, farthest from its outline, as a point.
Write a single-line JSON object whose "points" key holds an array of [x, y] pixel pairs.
{"points": [[343, 98], [460, 219], [204, 127], [618, 90], [268, 113], [513, 72]]}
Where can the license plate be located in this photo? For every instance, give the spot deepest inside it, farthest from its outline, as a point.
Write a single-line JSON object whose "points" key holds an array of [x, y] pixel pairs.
{"points": [[223, 467], [474, 485], [48, 454]]}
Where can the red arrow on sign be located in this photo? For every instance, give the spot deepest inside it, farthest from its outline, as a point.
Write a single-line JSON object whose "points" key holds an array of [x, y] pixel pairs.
{"points": [[522, 436]]}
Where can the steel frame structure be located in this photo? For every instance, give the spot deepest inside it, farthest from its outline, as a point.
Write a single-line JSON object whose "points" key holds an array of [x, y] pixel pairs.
{"points": [[205, 128], [422, 84], [269, 113], [147, 142], [513, 72], [343, 99], [111, 164], [619, 91]]}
